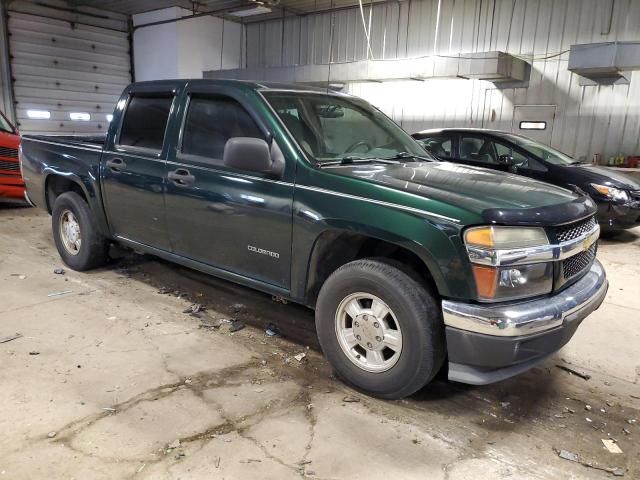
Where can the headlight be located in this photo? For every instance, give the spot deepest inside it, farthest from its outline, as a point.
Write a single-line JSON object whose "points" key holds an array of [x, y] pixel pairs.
{"points": [[505, 237], [507, 282], [612, 193]]}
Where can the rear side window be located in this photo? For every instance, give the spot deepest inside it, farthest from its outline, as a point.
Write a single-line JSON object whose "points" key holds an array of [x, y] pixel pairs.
{"points": [[211, 121], [145, 121], [438, 146]]}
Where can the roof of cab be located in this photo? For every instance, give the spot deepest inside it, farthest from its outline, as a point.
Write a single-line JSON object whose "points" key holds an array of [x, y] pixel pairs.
{"points": [[241, 84], [435, 131]]}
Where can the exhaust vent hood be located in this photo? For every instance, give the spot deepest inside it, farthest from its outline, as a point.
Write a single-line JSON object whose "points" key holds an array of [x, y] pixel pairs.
{"points": [[604, 63], [502, 69]]}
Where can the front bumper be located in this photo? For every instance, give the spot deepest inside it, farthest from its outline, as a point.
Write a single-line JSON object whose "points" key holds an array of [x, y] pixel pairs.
{"points": [[488, 343], [612, 216]]}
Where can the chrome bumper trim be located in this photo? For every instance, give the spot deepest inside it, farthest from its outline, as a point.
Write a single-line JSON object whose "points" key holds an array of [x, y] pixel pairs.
{"points": [[27, 199], [542, 253], [533, 316]]}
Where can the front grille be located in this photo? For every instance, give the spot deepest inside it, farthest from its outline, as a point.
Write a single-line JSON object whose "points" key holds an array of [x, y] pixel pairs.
{"points": [[578, 263], [571, 231], [9, 166], [9, 152]]}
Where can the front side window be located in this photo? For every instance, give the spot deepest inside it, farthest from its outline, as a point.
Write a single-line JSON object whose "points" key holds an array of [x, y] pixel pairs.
{"points": [[211, 121], [505, 149], [5, 126], [145, 121], [540, 150], [331, 128]]}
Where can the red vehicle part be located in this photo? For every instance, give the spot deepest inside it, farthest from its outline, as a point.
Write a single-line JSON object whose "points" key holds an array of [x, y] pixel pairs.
{"points": [[11, 183]]}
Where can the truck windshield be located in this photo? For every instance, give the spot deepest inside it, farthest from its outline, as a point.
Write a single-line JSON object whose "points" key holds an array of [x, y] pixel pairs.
{"points": [[540, 150], [5, 126], [330, 128]]}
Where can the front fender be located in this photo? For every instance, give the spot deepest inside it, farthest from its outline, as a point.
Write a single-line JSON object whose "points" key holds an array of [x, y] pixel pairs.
{"points": [[437, 245]]}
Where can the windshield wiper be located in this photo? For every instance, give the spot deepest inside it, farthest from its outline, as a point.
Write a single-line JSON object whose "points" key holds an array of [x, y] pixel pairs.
{"points": [[578, 162], [401, 155], [351, 160]]}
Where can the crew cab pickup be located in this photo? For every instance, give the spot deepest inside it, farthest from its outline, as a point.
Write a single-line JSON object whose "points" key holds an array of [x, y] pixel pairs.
{"points": [[411, 264]]}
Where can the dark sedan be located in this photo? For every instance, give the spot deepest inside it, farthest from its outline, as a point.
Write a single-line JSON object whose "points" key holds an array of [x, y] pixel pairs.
{"points": [[617, 194]]}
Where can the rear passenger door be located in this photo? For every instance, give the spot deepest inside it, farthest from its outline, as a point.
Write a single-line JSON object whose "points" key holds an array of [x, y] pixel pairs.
{"points": [[237, 221], [133, 167]]}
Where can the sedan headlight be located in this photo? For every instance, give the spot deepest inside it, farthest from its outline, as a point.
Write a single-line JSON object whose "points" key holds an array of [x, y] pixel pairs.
{"points": [[486, 244], [612, 193]]}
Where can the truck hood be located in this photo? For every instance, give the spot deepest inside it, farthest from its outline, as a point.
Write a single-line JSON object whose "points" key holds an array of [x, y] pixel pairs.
{"points": [[497, 197], [585, 174]]}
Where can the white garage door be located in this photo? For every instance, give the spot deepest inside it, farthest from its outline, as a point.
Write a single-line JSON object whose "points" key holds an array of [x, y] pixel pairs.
{"points": [[68, 69]]}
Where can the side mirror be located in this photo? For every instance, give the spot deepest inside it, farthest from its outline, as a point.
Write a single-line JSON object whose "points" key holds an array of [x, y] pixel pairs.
{"points": [[246, 153]]}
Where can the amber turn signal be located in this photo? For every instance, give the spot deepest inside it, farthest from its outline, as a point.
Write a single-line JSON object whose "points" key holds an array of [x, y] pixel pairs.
{"points": [[486, 280]]}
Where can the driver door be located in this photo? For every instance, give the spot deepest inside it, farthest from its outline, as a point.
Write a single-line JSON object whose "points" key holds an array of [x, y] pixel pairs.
{"points": [[237, 221]]}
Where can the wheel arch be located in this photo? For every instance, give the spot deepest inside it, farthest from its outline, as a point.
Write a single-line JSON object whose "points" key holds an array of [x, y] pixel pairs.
{"points": [[56, 184], [335, 247]]}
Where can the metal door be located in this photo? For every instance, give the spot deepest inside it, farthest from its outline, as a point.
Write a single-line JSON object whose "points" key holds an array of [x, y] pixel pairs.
{"points": [[69, 68], [534, 121]]}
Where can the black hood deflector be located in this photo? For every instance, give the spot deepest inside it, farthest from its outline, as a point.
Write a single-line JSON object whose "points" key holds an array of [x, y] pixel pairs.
{"points": [[543, 216]]}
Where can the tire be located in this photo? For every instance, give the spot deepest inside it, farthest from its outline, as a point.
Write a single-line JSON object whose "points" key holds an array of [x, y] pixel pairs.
{"points": [[92, 251], [414, 312]]}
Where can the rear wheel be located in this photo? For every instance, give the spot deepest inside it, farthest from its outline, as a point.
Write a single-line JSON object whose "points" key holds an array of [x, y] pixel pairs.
{"points": [[381, 330], [76, 235]]}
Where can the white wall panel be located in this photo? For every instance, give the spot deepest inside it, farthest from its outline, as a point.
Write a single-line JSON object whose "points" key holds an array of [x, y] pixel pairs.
{"points": [[62, 65], [589, 119]]}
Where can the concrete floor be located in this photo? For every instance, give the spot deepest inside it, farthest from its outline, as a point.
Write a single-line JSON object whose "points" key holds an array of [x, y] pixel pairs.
{"points": [[112, 380]]}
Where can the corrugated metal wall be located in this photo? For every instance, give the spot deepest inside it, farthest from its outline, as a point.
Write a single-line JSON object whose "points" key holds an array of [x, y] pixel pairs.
{"points": [[65, 62], [589, 119]]}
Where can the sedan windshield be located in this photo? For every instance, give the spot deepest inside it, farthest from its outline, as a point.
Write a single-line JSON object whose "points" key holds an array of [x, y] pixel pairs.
{"points": [[5, 126], [540, 150], [332, 128]]}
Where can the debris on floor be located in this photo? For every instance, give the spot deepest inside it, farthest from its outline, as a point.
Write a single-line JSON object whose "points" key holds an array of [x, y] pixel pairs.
{"points": [[194, 308], [611, 445], [51, 434], [59, 271], [238, 307], [19, 275], [57, 294], [10, 338], [173, 445], [210, 323], [272, 330], [236, 325], [350, 399], [300, 356], [33, 352], [584, 376]]}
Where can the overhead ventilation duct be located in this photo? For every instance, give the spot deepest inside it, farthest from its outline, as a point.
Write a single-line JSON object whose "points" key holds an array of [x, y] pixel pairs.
{"points": [[604, 63], [502, 69]]}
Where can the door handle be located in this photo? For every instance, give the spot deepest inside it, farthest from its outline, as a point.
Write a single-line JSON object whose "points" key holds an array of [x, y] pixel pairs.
{"points": [[181, 177], [116, 164]]}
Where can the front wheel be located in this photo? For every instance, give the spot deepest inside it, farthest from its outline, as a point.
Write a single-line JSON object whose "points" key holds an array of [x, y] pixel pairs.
{"points": [[77, 238], [381, 330]]}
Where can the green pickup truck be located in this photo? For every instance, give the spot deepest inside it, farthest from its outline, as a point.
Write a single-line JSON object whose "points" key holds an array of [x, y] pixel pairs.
{"points": [[411, 264]]}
